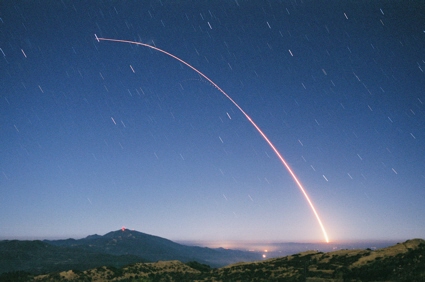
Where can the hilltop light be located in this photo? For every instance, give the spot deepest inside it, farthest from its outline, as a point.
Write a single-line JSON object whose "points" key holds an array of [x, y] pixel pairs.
{"points": [[123, 228]]}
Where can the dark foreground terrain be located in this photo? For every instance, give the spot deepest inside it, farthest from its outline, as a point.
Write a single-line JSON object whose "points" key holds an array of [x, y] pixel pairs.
{"points": [[401, 262]]}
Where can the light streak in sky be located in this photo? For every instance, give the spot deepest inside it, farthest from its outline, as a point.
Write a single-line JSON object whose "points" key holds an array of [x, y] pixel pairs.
{"points": [[294, 177]]}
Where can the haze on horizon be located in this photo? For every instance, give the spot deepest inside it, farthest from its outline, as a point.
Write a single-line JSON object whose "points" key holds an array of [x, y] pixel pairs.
{"points": [[268, 249]]}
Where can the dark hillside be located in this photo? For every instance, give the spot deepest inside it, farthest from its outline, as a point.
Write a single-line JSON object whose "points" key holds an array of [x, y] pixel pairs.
{"points": [[401, 262], [40, 257]]}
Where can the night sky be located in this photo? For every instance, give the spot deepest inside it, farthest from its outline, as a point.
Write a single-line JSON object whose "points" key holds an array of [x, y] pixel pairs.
{"points": [[99, 135]]}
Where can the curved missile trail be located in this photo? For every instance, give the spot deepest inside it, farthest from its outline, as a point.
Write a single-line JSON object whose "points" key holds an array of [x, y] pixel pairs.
{"points": [[244, 113]]}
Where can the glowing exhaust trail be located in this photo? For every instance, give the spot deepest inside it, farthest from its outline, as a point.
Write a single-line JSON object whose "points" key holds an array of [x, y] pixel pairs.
{"points": [[244, 113]]}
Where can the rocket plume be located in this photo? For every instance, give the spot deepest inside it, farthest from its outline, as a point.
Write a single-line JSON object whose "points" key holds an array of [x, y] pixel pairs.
{"points": [[285, 164]]}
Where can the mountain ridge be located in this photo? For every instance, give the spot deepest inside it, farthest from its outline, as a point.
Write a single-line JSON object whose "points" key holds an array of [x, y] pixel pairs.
{"points": [[115, 248], [401, 262], [154, 248]]}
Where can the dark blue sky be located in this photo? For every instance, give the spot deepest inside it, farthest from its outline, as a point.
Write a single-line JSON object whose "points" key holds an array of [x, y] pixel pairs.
{"points": [[99, 135]]}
